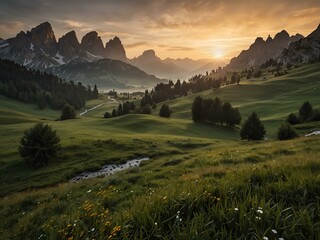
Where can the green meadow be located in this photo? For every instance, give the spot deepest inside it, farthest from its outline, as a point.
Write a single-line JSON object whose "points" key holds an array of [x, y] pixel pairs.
{"points": [[201, 182]]}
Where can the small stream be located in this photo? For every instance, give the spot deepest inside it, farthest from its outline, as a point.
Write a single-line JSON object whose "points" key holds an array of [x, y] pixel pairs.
{"points": [[109, 169], [313, 133]]}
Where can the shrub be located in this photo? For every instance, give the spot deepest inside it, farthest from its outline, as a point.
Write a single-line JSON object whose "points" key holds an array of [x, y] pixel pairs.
{"points": [[38, 145], [253, 128], [292, 119], [165, 111], [68, 112], [286, 132]]}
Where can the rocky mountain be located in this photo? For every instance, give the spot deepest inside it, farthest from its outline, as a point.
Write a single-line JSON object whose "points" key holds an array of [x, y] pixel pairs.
{"points": [[151, 63], [262, 50], [115, 50], [93, 44], [305, 50], [38, 49], [106, 73], [174, 68]]}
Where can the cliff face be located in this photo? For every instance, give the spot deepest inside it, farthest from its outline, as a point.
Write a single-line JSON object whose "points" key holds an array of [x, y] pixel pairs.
{"points": [[261, 51]]}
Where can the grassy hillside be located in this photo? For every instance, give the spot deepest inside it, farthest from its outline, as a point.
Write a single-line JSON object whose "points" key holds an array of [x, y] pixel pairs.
{"points": [[200, 181]]}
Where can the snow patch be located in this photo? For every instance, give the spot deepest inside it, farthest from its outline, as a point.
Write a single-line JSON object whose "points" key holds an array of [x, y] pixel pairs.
{"points": [[2, 45], [59, 59]]}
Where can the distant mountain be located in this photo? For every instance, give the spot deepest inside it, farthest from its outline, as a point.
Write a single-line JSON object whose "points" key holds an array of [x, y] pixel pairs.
{"points": [[261, 51], [174, 68], [106, 73], [38, 49], [152, 64], [305, 50]]}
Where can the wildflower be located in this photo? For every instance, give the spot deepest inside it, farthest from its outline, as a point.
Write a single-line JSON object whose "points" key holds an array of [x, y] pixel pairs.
{"points": [[280, 238], [236, 209], [93, 229], [259, 218], [89, 191], [274, 231], [155, 223], [260, 211], [265, 238]]}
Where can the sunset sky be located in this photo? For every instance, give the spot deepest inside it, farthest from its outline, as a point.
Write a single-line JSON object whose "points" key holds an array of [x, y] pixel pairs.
{"points": [[173, 28]]}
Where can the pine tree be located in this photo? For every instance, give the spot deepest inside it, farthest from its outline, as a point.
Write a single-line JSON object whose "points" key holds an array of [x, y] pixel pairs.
{"points": [[39, 145], [253, 128], [165, 111], [197, 109], [305, 111]]}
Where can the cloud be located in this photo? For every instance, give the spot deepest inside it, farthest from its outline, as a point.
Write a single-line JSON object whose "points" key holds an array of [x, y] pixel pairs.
{"points": [[137, 44], [182, 25]]}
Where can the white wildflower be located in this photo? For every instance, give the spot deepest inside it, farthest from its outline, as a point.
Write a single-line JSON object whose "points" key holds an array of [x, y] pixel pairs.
{"points": [[274, 231]]}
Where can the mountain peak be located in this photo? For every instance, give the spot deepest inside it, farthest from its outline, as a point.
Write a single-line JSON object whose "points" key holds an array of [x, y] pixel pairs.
{"points": [[283, 35], [315, 33], [69, 44], [115, 49], [92, 43], [42, 36], [269, 39], [259, 40], [150, 53]]}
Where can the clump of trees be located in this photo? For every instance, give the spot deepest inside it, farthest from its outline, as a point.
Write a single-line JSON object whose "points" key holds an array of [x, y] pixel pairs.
{"points": [[253, 129], [306, 114], [214, 111], [165, 111], [126, 108], [40, 88], [39, 145], [286, 132], [68, 112]]}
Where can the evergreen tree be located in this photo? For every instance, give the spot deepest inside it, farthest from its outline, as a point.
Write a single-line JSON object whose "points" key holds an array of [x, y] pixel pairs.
{"points": [[286, 132], [165, 111], [197, 109], [120, 110], [253, 128], [95, 92], [305, 111], [114, 113], [68, 112], [39, 145]]}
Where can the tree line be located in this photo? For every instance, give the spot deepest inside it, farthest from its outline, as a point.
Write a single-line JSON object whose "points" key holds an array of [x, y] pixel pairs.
{"points": [[214, 111], [40, 88]]}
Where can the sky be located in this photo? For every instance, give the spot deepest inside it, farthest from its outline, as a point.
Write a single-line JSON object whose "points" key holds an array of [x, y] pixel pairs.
{"points": [[173, 28]]}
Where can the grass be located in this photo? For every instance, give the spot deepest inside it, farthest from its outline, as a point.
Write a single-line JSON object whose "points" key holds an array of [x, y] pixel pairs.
{"points": [[201, 181], [144, 202]]}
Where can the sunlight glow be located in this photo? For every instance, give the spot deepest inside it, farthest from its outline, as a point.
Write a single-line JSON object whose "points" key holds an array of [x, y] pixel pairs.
{"points": [[218, 53]]}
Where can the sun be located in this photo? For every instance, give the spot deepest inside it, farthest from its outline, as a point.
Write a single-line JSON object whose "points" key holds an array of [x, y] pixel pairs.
{"points": [[218, 53]]}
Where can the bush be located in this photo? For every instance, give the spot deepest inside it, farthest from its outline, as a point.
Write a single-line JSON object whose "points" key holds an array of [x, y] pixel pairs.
{"points": [[292, 119], [286, 132], [68, 112], [38, 145], [165, 111], [253, 129], [107, 115]]}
